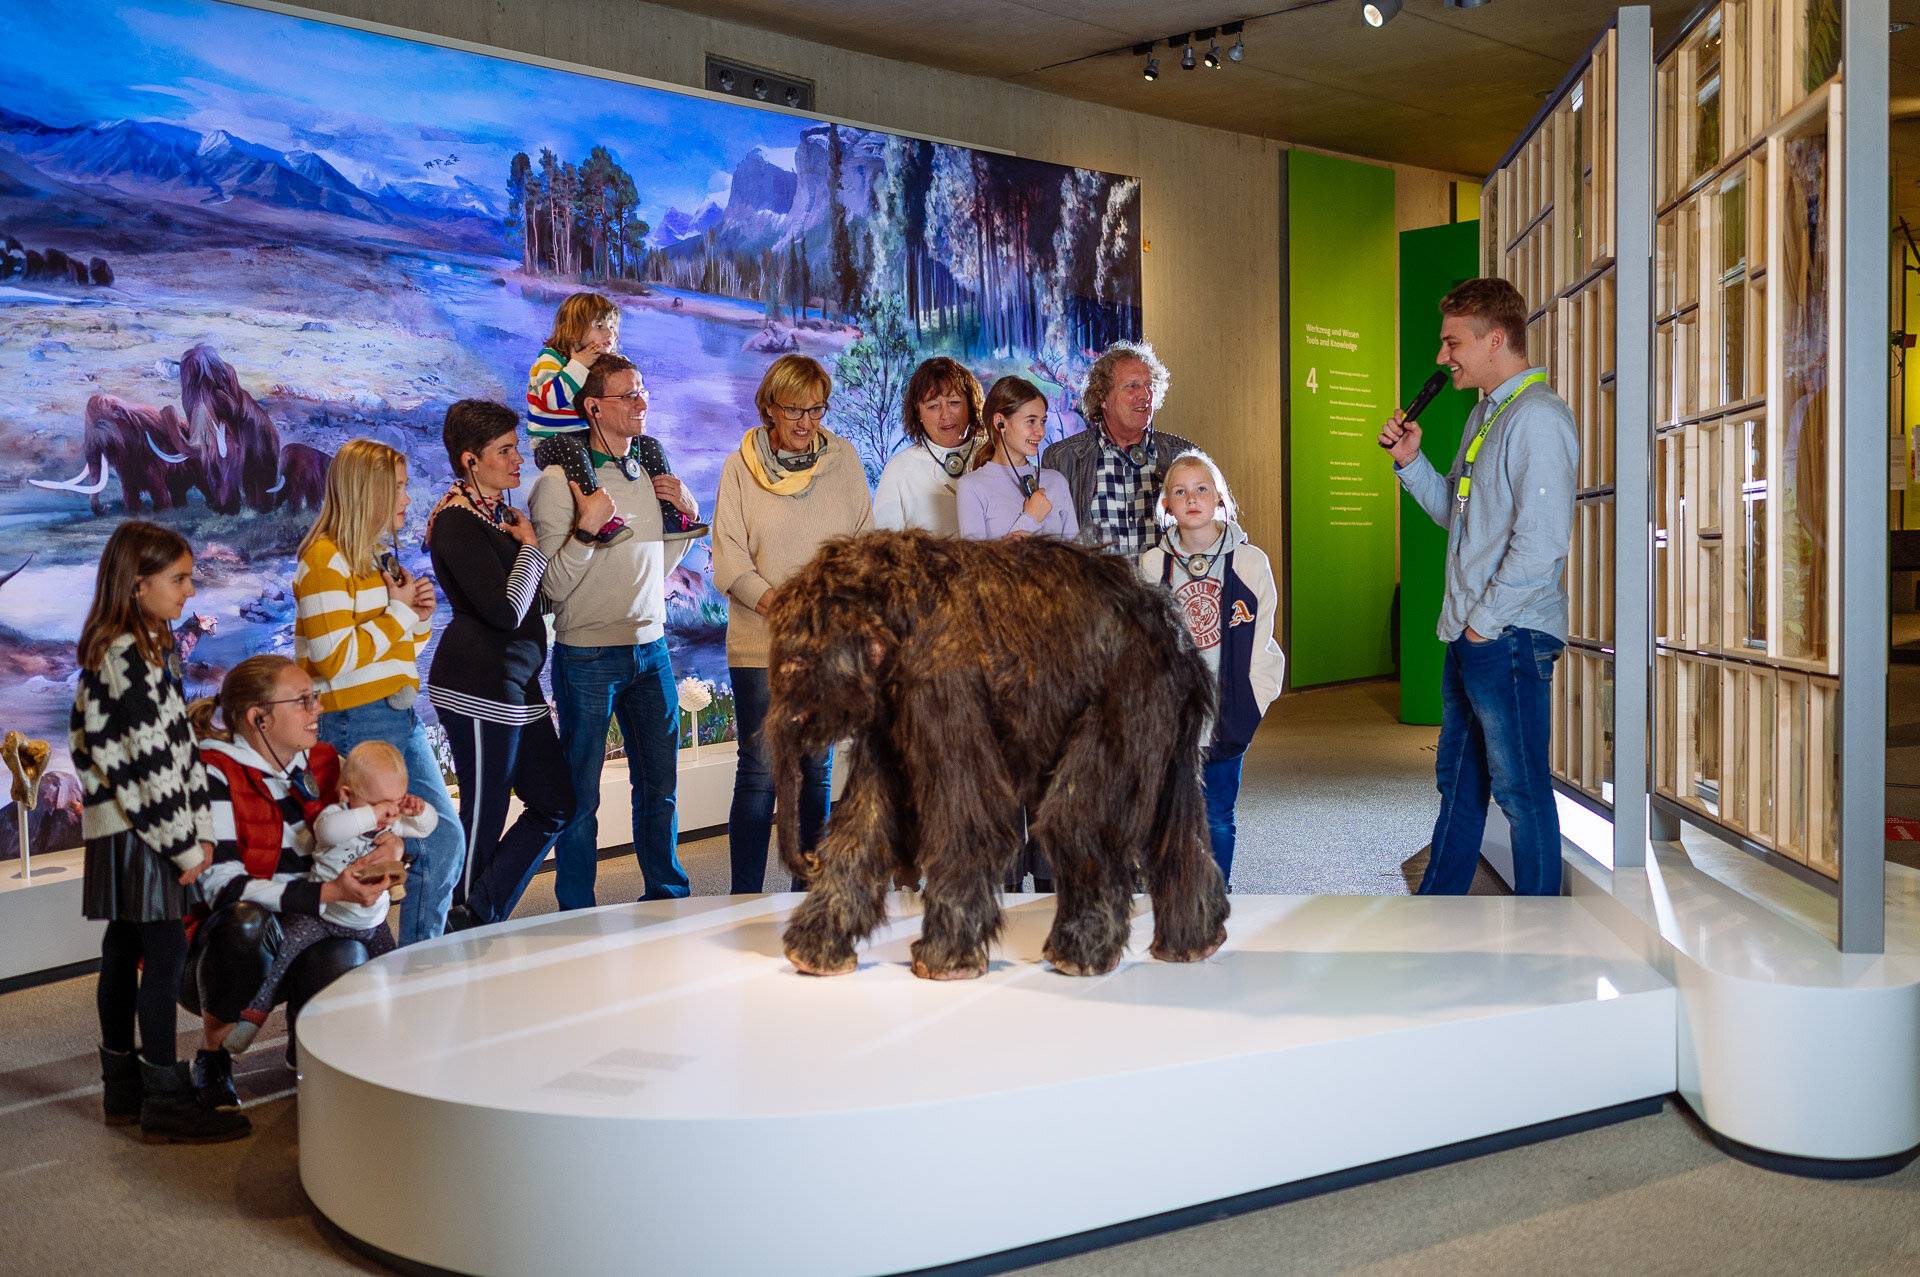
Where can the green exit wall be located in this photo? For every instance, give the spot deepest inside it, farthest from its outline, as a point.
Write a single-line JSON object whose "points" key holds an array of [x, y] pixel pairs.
{"points": [[1342, 375], [1432, 261]]}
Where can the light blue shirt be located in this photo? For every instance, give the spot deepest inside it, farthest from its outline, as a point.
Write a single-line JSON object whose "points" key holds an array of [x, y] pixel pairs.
{"points": [[1507, 551]]}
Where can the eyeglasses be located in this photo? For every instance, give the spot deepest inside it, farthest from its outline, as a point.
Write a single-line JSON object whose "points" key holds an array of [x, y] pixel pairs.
{"points": [[631, 397], [790, 413], [309, 701]]}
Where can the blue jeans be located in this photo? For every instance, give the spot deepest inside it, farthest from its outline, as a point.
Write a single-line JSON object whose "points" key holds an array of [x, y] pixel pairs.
{"points": [[438, 856], [1496, 712], [592, 685], [1220, 782], [750, 819]]}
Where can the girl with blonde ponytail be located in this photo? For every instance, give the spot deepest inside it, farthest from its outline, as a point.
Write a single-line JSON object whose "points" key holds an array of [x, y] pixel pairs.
{"points": [[360, 619]]}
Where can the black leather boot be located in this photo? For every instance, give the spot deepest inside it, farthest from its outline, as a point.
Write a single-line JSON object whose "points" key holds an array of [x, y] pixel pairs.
{"points": [[172, 1112], [213, 1079], [120, 1086]]}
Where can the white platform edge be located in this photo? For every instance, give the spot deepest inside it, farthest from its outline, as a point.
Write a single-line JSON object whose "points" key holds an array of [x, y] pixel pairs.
{"points": [[846, 1192]]}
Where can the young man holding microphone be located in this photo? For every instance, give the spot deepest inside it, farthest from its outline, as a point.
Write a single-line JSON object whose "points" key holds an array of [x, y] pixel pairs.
{"points": [[1507, 505]]}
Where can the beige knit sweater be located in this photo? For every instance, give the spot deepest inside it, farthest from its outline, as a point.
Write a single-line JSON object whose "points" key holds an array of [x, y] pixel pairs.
{"points": [[759, 539]]}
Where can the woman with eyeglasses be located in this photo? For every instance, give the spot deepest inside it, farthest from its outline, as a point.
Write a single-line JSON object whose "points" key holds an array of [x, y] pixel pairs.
{"points": [[791, 486], [268, 775], [359, 620]]}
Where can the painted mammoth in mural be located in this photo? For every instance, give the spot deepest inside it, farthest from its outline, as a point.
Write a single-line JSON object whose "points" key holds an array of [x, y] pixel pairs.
{"points": [[146, 447], [303, 478], [975, 680], [232, 439]]}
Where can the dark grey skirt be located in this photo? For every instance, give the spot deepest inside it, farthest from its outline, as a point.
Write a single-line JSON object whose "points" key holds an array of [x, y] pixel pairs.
{"points": [[126, 880]]}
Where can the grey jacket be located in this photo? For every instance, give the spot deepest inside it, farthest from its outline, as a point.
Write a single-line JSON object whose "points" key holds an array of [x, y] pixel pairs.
{"points": [[1078, 457], [1507, 559]]}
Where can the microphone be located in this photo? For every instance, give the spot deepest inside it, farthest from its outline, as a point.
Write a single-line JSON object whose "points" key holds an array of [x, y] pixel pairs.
{"points": [[1433, 386]]}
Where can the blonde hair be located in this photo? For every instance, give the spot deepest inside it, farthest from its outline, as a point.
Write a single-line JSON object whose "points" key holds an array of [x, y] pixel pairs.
{"points": [[363, 486], [788, 378], [252, 682], [1194, 459], [575, 319], [1099, 385], [370, 759]]}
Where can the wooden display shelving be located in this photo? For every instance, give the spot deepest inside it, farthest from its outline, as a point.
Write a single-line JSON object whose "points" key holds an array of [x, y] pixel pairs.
{"points": [[1551, 233], [1747, 424]]}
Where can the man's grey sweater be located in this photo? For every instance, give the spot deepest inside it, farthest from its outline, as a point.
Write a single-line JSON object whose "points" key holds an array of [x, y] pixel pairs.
{"points": [[1507, 556]]}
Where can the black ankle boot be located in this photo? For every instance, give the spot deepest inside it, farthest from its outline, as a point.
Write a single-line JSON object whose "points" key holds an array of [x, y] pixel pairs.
{"points": [[120, 1086], [213, 1080], [171, 1112]]}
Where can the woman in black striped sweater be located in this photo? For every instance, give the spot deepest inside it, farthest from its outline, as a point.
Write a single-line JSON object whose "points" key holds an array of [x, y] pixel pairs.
{"points": [[485, 681], [148, 828]]}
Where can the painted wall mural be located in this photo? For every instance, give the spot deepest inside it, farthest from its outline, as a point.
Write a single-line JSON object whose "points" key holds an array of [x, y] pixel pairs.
{"points": [[232, 239]]}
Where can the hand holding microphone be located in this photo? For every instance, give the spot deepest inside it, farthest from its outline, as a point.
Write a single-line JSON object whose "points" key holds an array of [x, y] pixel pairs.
{"points": [[1401, 436]]}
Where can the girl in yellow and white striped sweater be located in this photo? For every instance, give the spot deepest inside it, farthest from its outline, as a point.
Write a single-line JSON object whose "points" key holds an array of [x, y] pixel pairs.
{"points": [[360, 622]]}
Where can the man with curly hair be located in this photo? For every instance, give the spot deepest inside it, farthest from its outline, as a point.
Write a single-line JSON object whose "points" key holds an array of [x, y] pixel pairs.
{"points": [[1116, 467]]}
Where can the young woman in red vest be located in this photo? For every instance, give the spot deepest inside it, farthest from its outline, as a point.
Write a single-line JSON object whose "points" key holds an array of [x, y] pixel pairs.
{"points": [[268, 776]]}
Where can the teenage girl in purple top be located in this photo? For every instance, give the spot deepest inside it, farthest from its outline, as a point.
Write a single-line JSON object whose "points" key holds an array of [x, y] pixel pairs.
{"points": [[1007, 494]]}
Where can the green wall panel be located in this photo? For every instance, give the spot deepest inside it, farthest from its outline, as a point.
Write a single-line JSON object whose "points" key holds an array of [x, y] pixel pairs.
{"points": [[1342, 247], [1432, 261]]}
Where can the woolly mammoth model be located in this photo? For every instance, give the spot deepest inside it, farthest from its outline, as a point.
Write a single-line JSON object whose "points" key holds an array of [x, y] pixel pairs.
{"points": [[232, 438], [146, 447], [976, 679]]}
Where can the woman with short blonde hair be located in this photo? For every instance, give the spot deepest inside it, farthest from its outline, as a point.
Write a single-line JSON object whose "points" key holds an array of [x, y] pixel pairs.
{"points": [[790, 487], [360, 620]]}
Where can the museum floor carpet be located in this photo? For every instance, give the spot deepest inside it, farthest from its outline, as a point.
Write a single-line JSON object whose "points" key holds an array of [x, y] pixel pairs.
{"points": [[1337, 797]]}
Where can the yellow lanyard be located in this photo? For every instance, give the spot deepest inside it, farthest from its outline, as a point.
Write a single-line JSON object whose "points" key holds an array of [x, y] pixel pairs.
{"points": [[1465, 486]]}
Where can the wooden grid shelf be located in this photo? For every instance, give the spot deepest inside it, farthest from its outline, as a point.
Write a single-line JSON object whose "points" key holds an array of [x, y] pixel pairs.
{"points": [[1550, 232], [1746, 451]]}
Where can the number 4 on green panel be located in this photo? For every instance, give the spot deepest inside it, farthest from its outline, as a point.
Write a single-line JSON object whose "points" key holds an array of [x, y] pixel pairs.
{"points": [[1313, 380]]}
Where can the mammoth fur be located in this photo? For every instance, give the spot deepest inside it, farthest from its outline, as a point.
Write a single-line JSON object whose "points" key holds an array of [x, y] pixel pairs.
{"points": [[975, 680]]}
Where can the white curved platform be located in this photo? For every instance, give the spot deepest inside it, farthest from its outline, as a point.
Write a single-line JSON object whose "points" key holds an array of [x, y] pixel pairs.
{"points": [[652, 1087]]}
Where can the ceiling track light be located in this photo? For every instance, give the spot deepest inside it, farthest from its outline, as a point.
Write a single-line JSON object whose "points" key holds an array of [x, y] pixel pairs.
{"points": [[1466, 4], [1209, 34], [1378, 13], [1189, 59]]}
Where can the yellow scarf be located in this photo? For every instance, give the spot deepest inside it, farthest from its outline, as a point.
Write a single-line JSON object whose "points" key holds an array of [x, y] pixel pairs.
{"points": [[756, 449]]}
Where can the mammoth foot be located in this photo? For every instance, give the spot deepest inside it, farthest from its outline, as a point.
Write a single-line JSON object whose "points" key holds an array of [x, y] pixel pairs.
{"points": [[1167, 953], [966, 966], [1081, 966], [970, 970], [809, 966]]}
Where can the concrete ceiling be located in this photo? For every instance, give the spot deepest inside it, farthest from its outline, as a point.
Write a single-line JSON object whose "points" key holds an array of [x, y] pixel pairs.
{"points": [[1438, 87]]}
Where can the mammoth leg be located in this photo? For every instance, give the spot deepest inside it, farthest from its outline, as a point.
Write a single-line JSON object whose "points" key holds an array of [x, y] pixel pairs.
{"points": [[1189, 895], [967, 822], [846, 898], [1075, 825]]}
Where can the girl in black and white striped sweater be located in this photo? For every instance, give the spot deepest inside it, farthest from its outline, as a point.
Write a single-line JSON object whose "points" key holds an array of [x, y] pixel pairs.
{"points": [[147, 825]]}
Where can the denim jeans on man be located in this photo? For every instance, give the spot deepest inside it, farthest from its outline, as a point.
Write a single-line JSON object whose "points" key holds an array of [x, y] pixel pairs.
{"points": [[1496, 709], [439, 856], [1220, 782], [750, 819], [634, 685]]}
